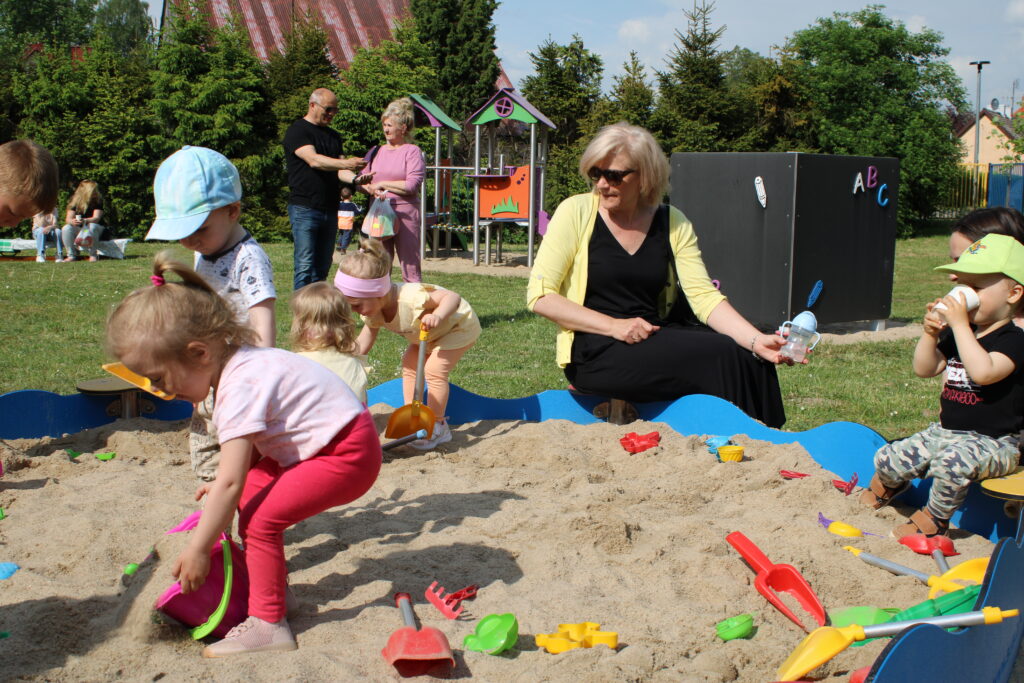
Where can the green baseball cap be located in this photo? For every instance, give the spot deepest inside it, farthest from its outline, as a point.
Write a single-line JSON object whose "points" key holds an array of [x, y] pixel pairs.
{"points": [[991, 254]]}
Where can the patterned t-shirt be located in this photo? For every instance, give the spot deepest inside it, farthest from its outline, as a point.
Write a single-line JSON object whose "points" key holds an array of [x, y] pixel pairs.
{"points": [[242, 275]]}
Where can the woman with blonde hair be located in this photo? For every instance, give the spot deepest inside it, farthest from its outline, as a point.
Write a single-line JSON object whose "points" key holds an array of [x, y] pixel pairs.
{"points": [[397, 168], [82, 227], [622, 276]]}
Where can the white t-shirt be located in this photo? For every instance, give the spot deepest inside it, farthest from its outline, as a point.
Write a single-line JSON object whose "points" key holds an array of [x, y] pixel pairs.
{"points": [[242, 275], [290, 406]]}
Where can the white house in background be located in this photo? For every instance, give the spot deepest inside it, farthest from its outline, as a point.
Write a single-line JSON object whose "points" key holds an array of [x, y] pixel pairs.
{"points": [[996, 133]]}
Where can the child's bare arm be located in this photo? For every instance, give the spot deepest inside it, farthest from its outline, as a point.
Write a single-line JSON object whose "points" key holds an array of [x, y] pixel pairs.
{"points": [[261, 319], [193, 564], [982, 366], [928, 361], [366, 339], [445, 302]]}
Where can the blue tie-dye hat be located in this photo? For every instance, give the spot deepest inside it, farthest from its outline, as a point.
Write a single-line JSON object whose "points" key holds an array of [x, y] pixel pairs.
{"points": [[190, 184]]}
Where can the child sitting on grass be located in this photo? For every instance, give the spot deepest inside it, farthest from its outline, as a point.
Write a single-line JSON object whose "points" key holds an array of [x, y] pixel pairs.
{"points": [[982, 401], [364, 277], [323, 330]]}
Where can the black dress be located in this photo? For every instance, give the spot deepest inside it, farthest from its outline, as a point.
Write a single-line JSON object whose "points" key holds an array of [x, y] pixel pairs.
{"points": [[675, 361]]}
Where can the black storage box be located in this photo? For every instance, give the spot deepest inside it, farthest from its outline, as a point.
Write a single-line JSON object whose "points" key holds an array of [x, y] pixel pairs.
{"points": [[825, 218]]}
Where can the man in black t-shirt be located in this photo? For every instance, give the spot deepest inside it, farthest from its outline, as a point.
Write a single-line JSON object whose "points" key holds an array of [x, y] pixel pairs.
{"points": [[312, 151]]}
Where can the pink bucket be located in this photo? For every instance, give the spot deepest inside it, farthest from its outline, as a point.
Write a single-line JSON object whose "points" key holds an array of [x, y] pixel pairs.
{"points": [[217, 606]]}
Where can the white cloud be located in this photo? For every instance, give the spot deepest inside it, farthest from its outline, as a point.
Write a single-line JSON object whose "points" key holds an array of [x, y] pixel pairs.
{"points": [[634, 30], [1015, 10], [915, 23]]}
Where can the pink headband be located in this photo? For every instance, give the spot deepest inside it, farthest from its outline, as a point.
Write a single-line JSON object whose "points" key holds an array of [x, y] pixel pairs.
{"points": [[362, 288]]}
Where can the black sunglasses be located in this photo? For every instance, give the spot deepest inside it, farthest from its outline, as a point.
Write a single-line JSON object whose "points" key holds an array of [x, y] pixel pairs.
{"points": [[329, 110], [611, 175]]}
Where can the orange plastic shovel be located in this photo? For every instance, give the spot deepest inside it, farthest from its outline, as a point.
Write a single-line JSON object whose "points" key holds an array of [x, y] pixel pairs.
{"points": [[119, 370], [416, 652], [415, 416]]}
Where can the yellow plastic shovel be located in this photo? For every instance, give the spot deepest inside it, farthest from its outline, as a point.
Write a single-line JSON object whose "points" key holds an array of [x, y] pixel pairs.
{"points": [[826, 642], [415, 416], [119, 370]]}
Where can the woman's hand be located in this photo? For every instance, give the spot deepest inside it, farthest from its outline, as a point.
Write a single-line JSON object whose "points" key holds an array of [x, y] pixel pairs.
{"points": [[767, 347], [632, 330], [191, 568], [203, 490]]}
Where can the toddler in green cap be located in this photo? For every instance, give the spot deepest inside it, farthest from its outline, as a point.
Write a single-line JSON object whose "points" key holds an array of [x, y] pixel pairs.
{"points": [[970, 336]]}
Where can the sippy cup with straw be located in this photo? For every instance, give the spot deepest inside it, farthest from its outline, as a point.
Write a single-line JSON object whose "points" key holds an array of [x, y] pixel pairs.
{"points": [[801, 336]]}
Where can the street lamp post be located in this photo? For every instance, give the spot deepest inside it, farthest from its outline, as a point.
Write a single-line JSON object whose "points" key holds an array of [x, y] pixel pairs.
{"points": [[977, 110]]}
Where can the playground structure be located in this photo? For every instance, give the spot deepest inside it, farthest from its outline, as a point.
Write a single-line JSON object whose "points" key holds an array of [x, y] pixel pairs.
{"points": [[502, 194]]}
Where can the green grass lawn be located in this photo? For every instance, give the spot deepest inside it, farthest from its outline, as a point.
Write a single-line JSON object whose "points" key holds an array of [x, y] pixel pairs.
{"points": [[54, 316]]}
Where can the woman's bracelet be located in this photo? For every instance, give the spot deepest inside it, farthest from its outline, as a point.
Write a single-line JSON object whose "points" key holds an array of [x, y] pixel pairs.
{"points": [[752, 340]]}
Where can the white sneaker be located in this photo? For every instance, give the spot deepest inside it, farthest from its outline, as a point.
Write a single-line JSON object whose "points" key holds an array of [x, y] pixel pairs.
{"points": [[40, 258], [253, 635], [441, 435]]}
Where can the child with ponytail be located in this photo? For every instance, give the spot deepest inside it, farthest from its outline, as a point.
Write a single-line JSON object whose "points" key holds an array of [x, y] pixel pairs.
{"points": [[294, 439], [364, 277]]}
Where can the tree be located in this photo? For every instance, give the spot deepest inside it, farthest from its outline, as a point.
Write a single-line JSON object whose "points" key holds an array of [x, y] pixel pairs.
{"points": [[392, 69], [874, 88], [59, 22], [303, 66], [126, 22], [693, 112], [209, 90], [565, 85], [632, 94], [460, 35]]}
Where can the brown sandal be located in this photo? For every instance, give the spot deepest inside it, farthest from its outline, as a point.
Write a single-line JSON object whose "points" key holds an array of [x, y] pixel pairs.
{"points": [[878, 495], [922, 522]]}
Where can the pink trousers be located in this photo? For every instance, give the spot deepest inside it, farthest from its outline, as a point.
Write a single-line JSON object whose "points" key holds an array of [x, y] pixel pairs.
{"points": [[275, 498], [407, 239]]}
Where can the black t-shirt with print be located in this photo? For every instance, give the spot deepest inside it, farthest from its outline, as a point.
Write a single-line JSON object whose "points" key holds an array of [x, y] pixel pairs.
{"points": [[994, 409]]}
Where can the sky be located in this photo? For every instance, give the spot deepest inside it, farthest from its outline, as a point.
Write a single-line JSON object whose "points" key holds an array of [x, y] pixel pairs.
{"points": [[973, 31]]}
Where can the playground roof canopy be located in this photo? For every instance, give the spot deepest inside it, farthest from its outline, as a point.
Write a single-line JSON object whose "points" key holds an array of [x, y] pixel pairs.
{"points": [[434, 113], [508, 104]]}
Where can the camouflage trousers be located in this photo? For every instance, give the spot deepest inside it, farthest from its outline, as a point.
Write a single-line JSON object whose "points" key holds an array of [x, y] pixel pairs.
{"points": [[203, 444], [952, 458]]}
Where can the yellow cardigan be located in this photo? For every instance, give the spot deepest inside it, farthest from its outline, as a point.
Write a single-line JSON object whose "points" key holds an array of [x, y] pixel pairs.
{"points": [[562, 262]]}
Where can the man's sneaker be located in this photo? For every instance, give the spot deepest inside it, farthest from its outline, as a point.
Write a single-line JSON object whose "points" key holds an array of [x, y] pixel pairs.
{"points": [[40, 258], [253, 635], [441, 435]]}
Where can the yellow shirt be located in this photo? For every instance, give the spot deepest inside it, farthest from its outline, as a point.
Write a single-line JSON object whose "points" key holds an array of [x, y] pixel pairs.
{"points": [[562, 262], [458, 330], [349, 368]]}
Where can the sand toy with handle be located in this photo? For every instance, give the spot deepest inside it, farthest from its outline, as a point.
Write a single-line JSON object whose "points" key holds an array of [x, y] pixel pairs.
{"points": [[939, 547], [415, 416], [825, 643], [778, 577], [946, 582], [417, 652], [119, 370]]}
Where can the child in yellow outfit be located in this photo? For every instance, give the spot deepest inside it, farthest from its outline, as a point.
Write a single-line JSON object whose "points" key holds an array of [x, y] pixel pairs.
{"points": [[364, 277]]}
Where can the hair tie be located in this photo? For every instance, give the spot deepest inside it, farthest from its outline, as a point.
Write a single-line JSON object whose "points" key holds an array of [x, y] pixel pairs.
{"points": [[157, 280]]}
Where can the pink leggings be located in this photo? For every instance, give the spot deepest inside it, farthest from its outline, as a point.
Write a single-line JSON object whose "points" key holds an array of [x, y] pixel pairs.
{"points": [[275, 498], [407, 238], [436, 369]]}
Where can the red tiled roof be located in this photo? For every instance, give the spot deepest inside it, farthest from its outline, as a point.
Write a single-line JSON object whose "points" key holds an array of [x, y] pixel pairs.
{"points": [[350, 24]]}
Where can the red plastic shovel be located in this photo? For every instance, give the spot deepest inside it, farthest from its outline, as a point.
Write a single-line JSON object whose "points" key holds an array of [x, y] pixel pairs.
{"points": [[778, 577], [415, 653]]}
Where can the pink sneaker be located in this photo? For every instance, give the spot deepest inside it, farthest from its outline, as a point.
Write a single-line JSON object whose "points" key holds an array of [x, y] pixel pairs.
{"points": [[253, 635]]}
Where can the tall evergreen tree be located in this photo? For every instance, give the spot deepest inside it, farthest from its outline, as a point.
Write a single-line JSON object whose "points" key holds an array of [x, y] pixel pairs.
{"points": [[126, 23], [61, 22], [691, 114], [632, 93], [300, 68], [461, 36], [565, 85]]}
